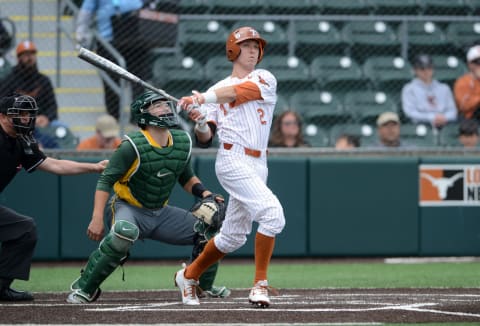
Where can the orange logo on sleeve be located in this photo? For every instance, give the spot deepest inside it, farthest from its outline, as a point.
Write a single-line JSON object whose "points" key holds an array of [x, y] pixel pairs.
{"points": [[262, 81]]}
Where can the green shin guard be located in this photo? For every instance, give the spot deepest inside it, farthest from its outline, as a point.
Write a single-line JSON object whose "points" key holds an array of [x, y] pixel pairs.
{"points": [[103, 261]]}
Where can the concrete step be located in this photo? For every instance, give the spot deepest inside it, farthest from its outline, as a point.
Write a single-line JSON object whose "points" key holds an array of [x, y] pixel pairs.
{"points": [[75, 78], [21, 7]]}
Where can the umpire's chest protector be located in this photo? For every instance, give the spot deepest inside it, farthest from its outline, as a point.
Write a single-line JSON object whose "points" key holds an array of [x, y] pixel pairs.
{"points": [[158, 169]]}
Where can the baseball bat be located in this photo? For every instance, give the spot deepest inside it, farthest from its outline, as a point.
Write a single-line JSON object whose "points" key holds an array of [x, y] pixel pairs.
{"points": [[107, 65]]}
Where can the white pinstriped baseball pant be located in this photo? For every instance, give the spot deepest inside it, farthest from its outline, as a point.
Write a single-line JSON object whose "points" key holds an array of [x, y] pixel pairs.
{"points": [[244, 178]]}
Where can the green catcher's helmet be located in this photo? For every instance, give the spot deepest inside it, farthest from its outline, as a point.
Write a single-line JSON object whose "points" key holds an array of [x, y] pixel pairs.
{"points": [[140, 114]]}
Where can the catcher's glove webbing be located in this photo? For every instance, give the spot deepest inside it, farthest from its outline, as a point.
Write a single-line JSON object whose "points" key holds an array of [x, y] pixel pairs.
{"points": [[210, 211]]}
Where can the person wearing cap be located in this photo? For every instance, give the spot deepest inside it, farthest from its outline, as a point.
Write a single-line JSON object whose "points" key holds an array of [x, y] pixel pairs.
{"points": [[19, 150], [106, 136], [388, 130], [468, 133], [26, 79], [425, 99], [467, 87]]}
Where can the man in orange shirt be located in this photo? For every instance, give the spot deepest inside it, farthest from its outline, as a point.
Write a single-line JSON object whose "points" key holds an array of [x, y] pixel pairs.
{"points": [[106, 135], [467, 87]]}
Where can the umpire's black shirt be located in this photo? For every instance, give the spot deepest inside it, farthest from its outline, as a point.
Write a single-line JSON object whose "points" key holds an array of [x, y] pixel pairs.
{"points": [[14, 156]]}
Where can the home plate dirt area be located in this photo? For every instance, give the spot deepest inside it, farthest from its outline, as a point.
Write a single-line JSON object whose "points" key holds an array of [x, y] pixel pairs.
{"points": [[289, 306]]}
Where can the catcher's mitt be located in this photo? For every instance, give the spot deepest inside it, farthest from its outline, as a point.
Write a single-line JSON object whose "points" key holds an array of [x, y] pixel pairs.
{"points": [[210, 211]]}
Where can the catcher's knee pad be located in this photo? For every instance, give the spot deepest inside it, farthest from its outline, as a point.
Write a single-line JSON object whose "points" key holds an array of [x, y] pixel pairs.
{"points": [[121, 237], [103, 261]]}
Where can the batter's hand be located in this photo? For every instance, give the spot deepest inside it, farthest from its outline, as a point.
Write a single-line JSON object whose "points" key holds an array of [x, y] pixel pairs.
{"points": [[95, 229], [188, 103]]}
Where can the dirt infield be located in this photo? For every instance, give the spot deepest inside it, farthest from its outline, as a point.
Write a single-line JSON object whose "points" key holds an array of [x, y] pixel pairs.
{"points": [[290, 306]]}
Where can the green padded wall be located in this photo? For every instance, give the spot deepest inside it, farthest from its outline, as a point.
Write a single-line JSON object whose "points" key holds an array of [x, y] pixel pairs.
{"points": [[333, 206], [363, 206], [37, 195]]}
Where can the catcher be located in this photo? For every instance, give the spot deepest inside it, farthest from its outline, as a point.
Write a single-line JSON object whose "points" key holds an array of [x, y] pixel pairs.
{"points": [[142, 174]]}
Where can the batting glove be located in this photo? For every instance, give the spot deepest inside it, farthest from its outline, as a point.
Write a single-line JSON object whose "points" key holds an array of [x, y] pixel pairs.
{"points": [[188, 103]]}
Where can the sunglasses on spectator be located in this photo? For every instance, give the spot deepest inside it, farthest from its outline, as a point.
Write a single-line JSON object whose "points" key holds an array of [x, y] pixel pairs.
{"points": [[476, 61]]}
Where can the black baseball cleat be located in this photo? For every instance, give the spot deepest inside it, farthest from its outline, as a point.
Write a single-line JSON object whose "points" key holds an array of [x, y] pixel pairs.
{"points": [[9, 294]]}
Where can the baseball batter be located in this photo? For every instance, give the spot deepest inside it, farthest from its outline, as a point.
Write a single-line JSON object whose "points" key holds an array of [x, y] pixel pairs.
{"points": [[239, 109]]}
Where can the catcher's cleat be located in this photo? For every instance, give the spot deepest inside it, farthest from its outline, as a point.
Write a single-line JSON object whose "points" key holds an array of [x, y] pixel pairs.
{"points": [[188, 288], [259, 295], [78, 296]]}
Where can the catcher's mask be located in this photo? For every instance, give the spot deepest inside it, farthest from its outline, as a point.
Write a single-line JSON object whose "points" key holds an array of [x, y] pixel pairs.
{"points": [[23, 113], [155, 110], [242, 34]]}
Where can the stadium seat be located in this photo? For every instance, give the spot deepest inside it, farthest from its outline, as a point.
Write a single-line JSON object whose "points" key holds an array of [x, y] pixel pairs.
{"points": [[290, 7], [236, 7], [193, 6], [342, 7], [179, 75], [387, 72], [317, 36], [62, 135], [462, 35], [448, 68], [272, 32], [418, 135], [200, 38], [473, 6], [316, 136], [282, 104], [367, 38], [217, 68], [394, 7], [366, 133], [425, 37], [292, 73], [443, 7], [337, 73], [366, 106], [320, 108], [449, 136]]}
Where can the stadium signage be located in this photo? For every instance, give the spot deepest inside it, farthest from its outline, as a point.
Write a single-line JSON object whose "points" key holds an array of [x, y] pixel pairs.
{"points": [[449, 185]]}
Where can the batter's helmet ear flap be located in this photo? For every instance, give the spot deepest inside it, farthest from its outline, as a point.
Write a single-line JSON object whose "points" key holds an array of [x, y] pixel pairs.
{"points": [[242, 34]]}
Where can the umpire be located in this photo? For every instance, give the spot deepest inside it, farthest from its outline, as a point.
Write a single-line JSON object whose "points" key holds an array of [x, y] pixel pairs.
{"points": [[18, 149]]}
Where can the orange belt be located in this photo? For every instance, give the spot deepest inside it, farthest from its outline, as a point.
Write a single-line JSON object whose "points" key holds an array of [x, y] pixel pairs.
{"points": [[248, 151]]}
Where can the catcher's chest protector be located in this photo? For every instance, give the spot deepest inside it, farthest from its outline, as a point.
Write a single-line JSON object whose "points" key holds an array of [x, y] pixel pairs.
{"points": [[159, 168]]}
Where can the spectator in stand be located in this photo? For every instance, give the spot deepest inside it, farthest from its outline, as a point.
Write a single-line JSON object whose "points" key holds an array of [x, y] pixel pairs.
{"points": [[101, 12], [347, 142], [468, 133], [388, 130], [287, 131], [467, 87], [107, 135], [425, 99], [26, 79]]}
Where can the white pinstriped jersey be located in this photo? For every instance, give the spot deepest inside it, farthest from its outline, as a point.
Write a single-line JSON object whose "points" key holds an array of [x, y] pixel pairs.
{"points": [[247, 124]]}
